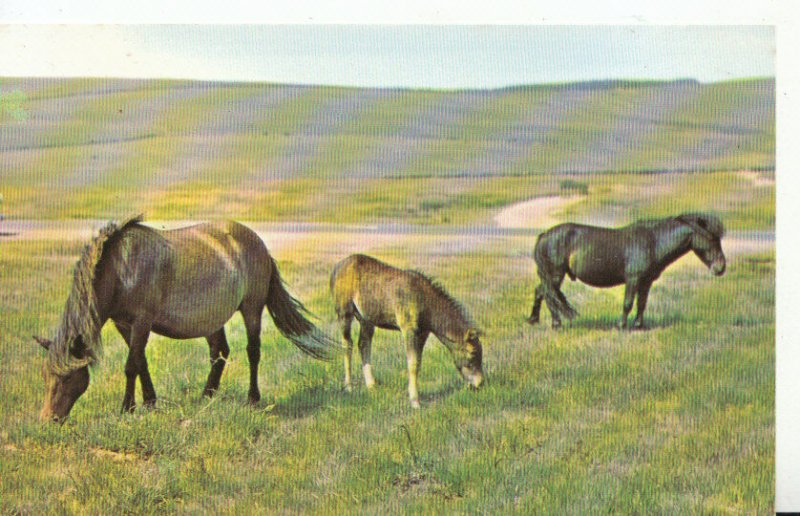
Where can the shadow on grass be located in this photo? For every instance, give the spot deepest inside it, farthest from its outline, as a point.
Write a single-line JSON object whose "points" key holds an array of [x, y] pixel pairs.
{"points": [[308, 401], [444, 392], [608, 324]]}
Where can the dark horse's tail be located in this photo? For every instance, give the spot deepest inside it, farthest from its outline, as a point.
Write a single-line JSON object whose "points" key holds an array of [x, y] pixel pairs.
{"points": [[551, 275], [287, 313]]}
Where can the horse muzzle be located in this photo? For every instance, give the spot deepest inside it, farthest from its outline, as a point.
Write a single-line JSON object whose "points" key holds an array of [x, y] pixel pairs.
{"points": [[475, 380], [718, 267], [50, 417]]}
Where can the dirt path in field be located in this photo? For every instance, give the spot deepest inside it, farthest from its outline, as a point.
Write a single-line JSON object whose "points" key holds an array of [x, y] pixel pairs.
{"points": [[756, 178], [538, 213], [513, 235]]}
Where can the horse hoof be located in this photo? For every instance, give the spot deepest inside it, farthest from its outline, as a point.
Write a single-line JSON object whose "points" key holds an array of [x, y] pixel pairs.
{"points": [[415, 404], [253, 399], [532, 320], [348, 388]]}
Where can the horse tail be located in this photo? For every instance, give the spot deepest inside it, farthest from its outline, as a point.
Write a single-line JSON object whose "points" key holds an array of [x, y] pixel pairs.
{"points": [[287, 313], [550, 275], [556, 301]]}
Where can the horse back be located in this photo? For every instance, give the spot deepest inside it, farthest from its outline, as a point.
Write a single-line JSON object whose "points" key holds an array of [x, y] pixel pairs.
{"points": [[189, 281], [595, 255], [384, 295]]}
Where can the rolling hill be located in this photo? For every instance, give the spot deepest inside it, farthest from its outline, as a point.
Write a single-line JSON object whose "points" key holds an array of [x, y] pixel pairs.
{"points": [[97, 143]]}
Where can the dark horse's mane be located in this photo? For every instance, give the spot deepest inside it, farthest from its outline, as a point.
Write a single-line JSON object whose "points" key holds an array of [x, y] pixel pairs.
{"points": [[703, 223], [80, 317], [446, 297]]}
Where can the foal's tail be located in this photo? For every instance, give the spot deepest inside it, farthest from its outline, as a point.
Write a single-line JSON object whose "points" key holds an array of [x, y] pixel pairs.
{"points": [[287, 313]]}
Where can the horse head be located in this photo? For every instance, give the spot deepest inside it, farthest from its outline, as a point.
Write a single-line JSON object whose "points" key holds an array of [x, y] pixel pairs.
{"points": [[469, 361], [64, 386], [707, 231]]}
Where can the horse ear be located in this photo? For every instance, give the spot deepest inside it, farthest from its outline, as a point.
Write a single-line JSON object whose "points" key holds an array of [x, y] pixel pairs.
{"points": [[473, 334], [45, 343]]}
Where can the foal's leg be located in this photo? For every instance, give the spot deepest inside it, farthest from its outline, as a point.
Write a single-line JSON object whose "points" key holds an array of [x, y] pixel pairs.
{"points": [[219, 352], [345, 325], [252, 322], [641, 303], [537, 304], [136, 365], [365, 333], [414, 341]]}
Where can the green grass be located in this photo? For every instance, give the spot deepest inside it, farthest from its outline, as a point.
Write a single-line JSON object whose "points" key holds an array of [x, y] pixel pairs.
{"points": [[160, 166], [677, 419], [425, 201], [628, 197]]}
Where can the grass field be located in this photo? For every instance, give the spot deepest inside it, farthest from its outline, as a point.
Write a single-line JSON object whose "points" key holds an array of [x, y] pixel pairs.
{"points": [[676, 419], [679, 418]]}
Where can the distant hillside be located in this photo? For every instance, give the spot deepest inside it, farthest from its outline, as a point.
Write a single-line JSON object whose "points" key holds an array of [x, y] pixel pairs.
{"points": [[103, 131]]}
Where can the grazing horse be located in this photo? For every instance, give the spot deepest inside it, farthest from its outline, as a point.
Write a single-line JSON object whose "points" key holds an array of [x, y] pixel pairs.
{"points": [[182, 284], [633, 255], [377, 294]]}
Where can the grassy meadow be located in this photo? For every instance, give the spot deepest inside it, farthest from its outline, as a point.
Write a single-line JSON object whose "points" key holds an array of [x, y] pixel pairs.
{"points": [[679, 418]]}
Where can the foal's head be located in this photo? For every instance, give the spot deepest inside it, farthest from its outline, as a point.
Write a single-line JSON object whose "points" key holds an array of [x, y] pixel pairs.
{"points": [[469, 358], [64, 386], [707, 233]]}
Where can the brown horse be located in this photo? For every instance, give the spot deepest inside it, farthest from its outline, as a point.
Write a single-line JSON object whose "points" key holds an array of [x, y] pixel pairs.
{"points": [[182, 284], [634, 255], [377, 294]]}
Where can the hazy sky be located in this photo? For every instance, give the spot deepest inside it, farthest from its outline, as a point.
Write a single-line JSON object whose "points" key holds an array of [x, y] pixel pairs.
{"points": [[430, 56]]}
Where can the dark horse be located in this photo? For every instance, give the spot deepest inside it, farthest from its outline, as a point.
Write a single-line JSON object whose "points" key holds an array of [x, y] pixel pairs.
{"points": [[377, 294], [633, 255], [183, 283]]}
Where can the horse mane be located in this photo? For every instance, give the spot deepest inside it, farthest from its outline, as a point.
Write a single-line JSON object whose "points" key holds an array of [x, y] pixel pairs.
{"points": [[80, 317], [703, 223], [445, 296]]}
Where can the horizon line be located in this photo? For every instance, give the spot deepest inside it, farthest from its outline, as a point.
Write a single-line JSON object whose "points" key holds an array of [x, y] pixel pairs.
{"points": [[608, 82]]}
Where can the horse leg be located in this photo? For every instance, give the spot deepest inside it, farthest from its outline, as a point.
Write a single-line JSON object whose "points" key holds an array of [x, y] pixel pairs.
{"points": [[129, 400], [136, 365], [219, 352], [554, 311], [631, 286], [414, 341], [345, 325], [641, 303], [252, 322], [537, 304], [365, 334]]}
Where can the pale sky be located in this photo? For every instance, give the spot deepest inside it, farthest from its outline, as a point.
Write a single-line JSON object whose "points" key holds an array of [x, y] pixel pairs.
{"points": [[416, 56]]}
